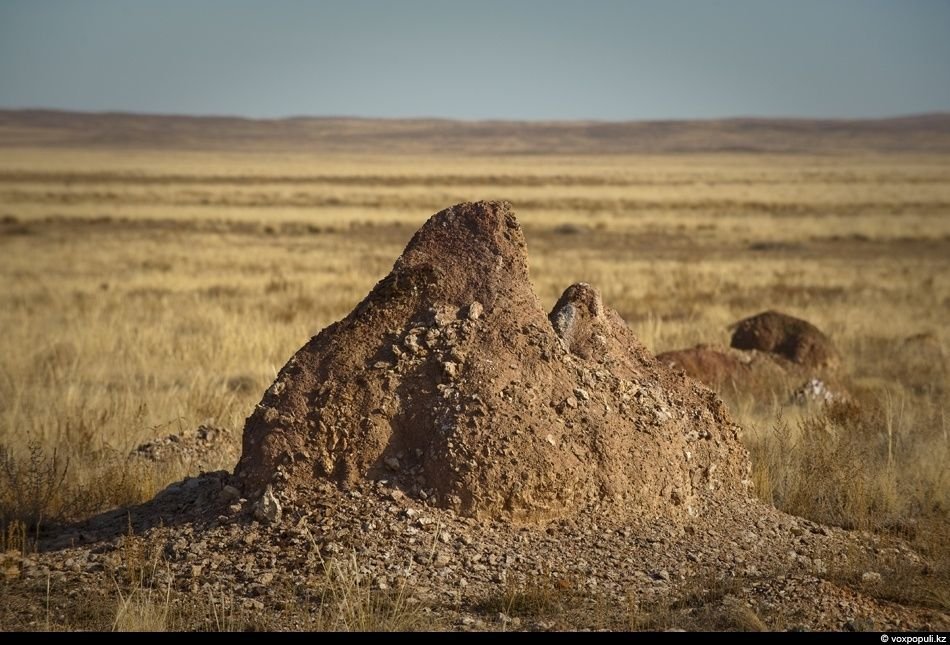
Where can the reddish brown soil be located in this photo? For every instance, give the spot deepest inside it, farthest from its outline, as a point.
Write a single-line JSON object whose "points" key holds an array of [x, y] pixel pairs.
{"points": [[719, 366]]}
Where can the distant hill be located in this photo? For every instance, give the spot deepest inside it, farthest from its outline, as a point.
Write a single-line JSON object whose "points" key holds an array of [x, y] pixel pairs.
{"points": [[49, 128]]}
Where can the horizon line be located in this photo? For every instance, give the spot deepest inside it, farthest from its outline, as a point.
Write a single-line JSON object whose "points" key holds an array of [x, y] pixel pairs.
{"points": [[354, 117]]}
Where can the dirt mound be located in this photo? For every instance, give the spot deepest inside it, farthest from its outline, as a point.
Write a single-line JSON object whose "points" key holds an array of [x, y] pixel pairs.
{"points": [[718, 366], [450, 382], [792, 338], [758, 374]]}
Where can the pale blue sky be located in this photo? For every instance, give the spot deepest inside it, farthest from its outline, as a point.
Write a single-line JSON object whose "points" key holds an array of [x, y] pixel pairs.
{"points": [[527, 59]]}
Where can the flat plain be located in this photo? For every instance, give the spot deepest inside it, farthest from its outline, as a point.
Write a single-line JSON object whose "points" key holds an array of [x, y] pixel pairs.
{"points": [[151, 289]]}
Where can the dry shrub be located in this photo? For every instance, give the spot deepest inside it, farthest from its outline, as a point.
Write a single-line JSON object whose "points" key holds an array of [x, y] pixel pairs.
{"points": [[844, 476], [876, 463], [142, 610], [39, 488], [31, 488], [868, 464]]}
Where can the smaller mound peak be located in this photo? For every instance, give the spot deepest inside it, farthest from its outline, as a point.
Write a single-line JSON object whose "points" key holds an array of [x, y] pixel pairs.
{"points": [[584, 296], [581, 321]]}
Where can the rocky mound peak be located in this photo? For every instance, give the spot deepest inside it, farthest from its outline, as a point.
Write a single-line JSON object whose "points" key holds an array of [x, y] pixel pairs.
{"points": [[451, 383]]}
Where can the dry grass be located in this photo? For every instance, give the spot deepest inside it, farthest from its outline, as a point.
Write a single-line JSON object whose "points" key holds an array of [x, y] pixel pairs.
{"points": [[142, 610], [153, 292], [351, 602], [867, 465]]}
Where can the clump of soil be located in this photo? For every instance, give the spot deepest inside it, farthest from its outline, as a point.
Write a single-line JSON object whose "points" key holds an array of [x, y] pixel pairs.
{"points": [[719, 366], [792, 338], [205, 448], [450, 382]]}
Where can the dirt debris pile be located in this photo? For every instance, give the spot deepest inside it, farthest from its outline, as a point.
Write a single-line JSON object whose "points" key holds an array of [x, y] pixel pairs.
{"points": [[205, 448], [450, 382]]}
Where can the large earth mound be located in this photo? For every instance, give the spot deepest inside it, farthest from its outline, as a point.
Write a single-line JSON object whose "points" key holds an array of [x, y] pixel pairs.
{"points": [[450, 382]]}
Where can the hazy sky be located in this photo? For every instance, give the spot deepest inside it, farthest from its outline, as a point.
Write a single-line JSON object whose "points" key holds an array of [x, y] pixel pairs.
{"points": [[523, 59]]}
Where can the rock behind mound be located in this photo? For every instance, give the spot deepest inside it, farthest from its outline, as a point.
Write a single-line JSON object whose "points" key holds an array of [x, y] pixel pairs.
{"points": [[792, 338], [451, 382]]}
